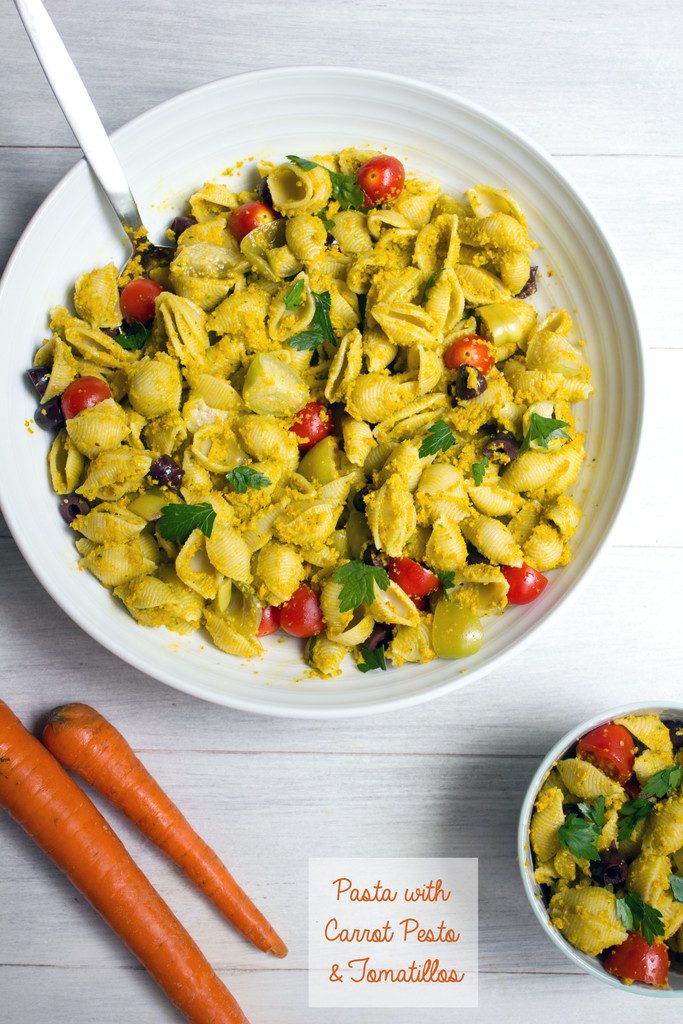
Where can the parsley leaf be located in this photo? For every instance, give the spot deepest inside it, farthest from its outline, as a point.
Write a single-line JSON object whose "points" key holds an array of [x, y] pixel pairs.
{"points": [[328, 224], [661, 784], [676, 883], [439, 439], [178, 521], [447, 577], [244, 478], [479, 471], [295, 295], [637, 915], [579, 835], [629, 816], [372, 659], [543, 429], [320, 328], [345, 188], [358, 584], [133, 336], [431, 281]]}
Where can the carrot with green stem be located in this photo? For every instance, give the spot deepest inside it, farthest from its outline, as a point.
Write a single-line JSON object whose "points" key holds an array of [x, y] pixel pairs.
{"points": [[64, 822], [86, 743]]}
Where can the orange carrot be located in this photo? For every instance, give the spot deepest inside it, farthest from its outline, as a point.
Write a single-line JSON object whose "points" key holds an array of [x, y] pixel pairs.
{"points": [[86, 743], [61, 819]]}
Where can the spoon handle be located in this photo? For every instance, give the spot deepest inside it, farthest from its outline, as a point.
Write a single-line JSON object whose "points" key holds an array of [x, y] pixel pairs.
{"points": [[79, 111]]}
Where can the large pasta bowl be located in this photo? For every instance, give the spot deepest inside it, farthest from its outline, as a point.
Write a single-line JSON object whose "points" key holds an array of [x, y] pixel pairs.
{"points": [[168, 152], [592, 965]]}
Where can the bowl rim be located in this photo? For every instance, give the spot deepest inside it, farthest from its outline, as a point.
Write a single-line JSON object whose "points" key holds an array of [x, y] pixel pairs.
{"points": [[589, 965], [458, 678]]}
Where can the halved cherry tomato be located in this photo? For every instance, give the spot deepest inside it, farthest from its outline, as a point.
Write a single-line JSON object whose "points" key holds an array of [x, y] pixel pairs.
{"points": [[525, 583], [381, 178], [311, 424], [611, 749], [246, 218], [634, 960], [82, 394], [302, 614], [413, 578], [137, 299], [469, 351], [270, 620]]}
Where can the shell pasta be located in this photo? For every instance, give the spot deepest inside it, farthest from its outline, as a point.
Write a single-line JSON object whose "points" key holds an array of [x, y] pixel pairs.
{"points": [[334, 410]]}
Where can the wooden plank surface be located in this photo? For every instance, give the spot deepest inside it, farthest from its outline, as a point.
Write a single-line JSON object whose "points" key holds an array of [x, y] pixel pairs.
{"points": [[597, 85]]}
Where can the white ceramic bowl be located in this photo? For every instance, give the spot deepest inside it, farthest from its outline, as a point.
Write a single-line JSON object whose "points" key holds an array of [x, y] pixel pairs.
{"points": [[590, 964], [170, 151]]}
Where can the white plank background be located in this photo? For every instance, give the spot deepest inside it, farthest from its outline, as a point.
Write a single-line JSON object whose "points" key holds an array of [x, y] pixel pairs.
{"points": [[600, 86]]}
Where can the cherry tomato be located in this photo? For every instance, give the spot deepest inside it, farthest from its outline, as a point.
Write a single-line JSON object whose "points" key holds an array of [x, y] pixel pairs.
{"points": [[137, 299], [524, 582], [469, 351], [412, 577], [302, 614], [82, 394], [634, 960], [270, 620], [248, 217], [611, 749], [311, 424], [381, 178]]}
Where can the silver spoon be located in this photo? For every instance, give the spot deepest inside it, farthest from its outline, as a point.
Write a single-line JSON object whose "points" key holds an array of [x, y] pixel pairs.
{"points": [[79, 110]]}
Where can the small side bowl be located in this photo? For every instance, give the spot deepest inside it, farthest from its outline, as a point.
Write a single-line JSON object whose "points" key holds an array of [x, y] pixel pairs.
{"points": [[590, 964]]}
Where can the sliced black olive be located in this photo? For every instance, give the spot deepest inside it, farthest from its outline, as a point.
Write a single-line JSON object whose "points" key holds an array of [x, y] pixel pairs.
{"points": [[502, 444], [181, 224], [166, 471], [530, 287], [264, 192], [72, 505], [50, 415], [380, 635], [39, 377], [467, 383], [676, 733]]}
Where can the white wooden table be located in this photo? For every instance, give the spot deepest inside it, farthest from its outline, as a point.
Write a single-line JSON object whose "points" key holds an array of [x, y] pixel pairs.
{"points": [[600, 86]]}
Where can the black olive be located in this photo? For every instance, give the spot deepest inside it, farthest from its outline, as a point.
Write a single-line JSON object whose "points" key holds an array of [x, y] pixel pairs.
{"points": [[611, 869], [530, 287], [676, 733], [467, 383], [502, 444], [371, 556], [39, 377], [50, 415], [72, 505], [112, 332], [264, 192], [380, 635], [166, 471], [181, 224]]}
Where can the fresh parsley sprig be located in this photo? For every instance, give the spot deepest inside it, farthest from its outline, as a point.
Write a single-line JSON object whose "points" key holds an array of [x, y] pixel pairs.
{"points": [[676, 883], [320, 328], [662, 783], [637, 915], [345, 188], [244, 478], [439, 439], [543, 429], [629, 815], [327, 223], [580, 835], [358, 583], [295, 295], [133, 336], [479, 471], [447, 578], [372, 659], [178, 521]]}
